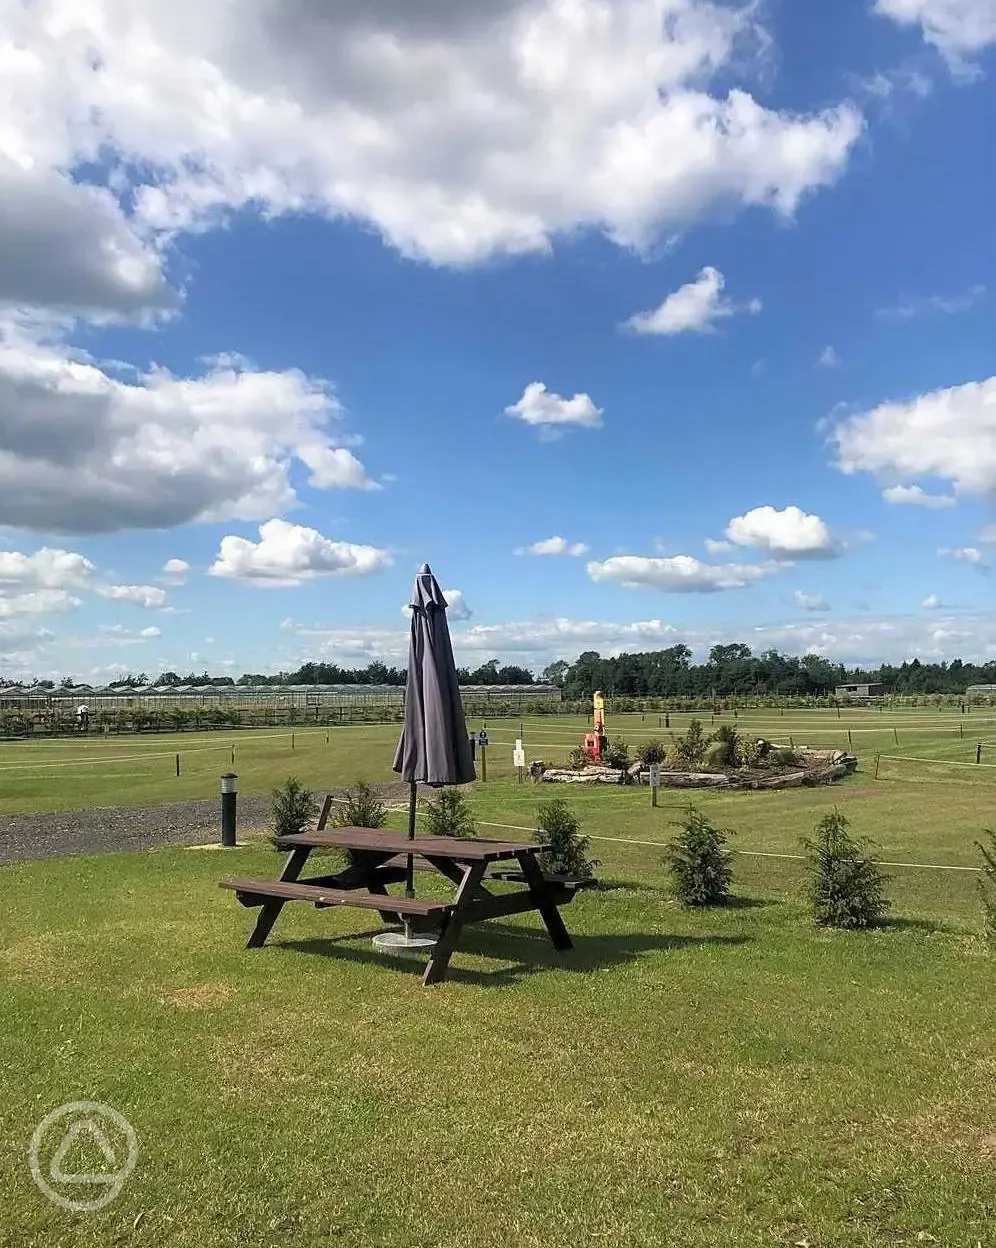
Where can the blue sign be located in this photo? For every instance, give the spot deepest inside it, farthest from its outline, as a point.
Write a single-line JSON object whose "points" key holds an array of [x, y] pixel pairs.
{"points": [[482, 739]]}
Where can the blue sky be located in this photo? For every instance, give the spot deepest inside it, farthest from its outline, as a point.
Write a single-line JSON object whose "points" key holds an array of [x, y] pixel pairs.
{"points": [[704, 291]]}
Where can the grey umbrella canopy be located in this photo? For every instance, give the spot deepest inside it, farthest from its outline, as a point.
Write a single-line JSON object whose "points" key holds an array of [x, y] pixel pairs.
{"points": [[434, 748]]}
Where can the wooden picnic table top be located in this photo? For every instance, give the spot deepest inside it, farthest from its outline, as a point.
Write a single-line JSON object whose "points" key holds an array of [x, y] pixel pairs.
{"points": [[456, 849]]}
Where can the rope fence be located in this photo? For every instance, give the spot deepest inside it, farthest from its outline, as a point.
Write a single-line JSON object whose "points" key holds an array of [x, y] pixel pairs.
{"points": [[747, 853], [176, 755]]}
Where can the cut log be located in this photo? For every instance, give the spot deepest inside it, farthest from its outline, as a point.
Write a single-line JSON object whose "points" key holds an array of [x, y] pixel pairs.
{"points": [[590, 775], [794, 780], [693, 780]]}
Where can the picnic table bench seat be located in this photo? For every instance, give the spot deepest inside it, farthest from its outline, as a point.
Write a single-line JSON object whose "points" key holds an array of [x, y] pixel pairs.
{"points": [[252, 892], [569, 882]]}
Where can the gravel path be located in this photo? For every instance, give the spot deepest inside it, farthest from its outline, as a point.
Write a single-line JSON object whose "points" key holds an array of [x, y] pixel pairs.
{"points": [[56, 834]]}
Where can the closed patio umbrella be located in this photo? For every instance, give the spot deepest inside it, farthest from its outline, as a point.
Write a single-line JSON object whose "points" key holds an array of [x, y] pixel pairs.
{"points": [[434, 748]]}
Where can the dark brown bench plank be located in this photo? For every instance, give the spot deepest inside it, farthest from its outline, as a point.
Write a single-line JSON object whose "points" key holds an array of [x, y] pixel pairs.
{"points": [[389, 842], [318, 895], [563, 881]]}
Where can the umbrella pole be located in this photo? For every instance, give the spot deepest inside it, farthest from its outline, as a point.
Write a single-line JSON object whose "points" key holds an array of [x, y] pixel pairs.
{"points": [[410, 866]]}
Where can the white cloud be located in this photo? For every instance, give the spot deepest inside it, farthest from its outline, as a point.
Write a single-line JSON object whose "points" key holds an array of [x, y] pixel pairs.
{"points": [[531, 641], [810, 602], [65, 246], [946, 305], [47, 568], [988, 534], [932, 603], [949, 434], [554, 546], [537, 642], [290, 554], [789, 533], [148, 596], [913, 495], [38, 602], [957, 28], [888, 83], [460, 131], [829, 358], [50, 581], [693, 308], [714, 547], [456, 607], [551, 413], [84, 452], [176, 567], [964, 554], [680, 574], [117, 635]]}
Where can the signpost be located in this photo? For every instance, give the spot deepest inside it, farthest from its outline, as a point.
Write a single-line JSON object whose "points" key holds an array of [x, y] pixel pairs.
{"points": [[482, 745], [655, 782], [519, 759]]}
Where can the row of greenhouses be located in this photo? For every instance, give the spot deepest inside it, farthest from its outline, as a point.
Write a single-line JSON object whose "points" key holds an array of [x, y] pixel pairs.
{"points": [[17, 697]]}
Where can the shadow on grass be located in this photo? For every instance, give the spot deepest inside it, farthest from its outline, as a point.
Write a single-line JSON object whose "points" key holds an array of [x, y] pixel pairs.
{"points": [[899, 923], [530, 953], [750, 903], [621, 886]]}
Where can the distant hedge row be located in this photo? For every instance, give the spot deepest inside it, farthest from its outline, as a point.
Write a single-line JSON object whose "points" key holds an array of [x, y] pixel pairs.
{"points": [[45, 722]]}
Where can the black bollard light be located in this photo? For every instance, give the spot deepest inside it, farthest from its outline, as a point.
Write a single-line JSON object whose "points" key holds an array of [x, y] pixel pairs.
{"points": [[229, 800]]}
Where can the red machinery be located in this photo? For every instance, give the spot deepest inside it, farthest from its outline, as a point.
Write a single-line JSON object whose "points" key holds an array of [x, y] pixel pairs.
{"points": [[594, 742]]}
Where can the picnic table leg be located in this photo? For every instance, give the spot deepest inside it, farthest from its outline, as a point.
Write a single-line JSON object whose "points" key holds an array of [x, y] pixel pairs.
{"points": [[377, 889], [448, 937], [270, 910], [455, 873], [547, 907]]}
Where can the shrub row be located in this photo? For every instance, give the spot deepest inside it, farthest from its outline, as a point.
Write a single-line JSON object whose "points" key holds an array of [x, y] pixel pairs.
{"points": [[844, 886]]}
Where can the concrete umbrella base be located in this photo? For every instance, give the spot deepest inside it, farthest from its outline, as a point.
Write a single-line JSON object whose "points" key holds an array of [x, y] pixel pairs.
{"points": [[398, 944]]}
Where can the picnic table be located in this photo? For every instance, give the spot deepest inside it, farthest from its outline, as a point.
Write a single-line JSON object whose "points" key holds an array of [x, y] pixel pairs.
{"points": [[379, 859]]}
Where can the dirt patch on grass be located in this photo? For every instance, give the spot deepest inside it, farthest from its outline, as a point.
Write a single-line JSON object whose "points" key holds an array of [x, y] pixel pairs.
{"points": [[943, 1130], [198, 997], [41, 962]]}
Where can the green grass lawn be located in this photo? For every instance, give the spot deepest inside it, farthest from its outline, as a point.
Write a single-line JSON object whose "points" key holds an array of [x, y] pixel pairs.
{"points": [[730, 1077], [71, 772]]}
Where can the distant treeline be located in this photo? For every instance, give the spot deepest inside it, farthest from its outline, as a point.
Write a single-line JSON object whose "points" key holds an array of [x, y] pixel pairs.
{"points": [[730, 671], [490, 673]]}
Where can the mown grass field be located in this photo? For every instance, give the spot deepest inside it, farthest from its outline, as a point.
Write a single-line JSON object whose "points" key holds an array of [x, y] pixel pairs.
{"points": [[73, 773], [730, 1077]]}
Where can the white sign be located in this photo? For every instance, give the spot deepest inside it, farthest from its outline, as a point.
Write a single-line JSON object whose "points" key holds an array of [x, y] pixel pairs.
{"points": [[655, 775], [518, 743], [518, 757]]}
